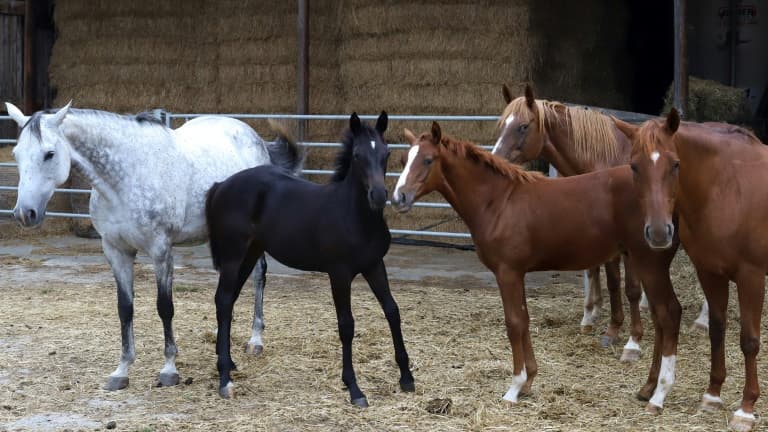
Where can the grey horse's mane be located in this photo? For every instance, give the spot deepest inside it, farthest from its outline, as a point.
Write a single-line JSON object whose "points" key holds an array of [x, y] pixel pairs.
{"points": [[145, 117]]}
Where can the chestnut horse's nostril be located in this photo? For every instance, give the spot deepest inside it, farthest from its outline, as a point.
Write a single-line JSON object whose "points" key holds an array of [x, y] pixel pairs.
{"points": [[647, 232], [670, 230]]}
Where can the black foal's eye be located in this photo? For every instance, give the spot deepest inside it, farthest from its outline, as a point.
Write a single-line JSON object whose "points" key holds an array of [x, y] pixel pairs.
{"points": [[48, 156]]}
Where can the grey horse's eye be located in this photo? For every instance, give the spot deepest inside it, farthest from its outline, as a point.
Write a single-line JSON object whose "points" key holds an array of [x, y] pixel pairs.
{"points": [[48, 156]]}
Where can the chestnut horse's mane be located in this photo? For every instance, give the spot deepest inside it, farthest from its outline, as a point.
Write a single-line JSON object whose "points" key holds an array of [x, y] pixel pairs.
{"points": [[653, 131], [592, 131], [497, 164]]}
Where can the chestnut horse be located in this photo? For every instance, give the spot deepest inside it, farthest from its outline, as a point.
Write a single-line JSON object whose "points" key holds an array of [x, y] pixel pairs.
{"points": [[714, 176], [522, 221]]}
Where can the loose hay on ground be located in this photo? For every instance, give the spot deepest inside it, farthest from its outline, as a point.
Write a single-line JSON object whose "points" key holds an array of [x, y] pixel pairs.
{"points": [[58, 344]]}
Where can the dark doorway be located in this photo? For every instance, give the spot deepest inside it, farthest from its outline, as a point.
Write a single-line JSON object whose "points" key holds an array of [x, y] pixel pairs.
{"points": [[651, 52]]}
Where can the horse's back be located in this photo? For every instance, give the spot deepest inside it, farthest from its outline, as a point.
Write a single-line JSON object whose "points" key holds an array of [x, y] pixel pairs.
{"points": [[213, 140]]}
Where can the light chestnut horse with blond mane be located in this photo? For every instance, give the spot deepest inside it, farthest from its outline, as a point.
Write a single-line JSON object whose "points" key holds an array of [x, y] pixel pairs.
{"points": [[521, 221], [714, 177], [576, 140]]}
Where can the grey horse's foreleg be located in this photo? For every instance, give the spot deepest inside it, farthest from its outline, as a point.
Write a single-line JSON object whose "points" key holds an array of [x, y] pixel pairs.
{"points": [[169, 375], [255, 345], [121, 262]]}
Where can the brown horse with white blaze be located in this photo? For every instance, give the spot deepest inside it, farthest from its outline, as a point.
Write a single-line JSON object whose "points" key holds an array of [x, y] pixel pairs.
{"points": [[522, 221], [714, 176], [575, 141]]}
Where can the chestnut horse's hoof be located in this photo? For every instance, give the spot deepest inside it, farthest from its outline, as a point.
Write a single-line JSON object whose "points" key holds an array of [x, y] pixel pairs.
{"points": [[653, 409], [408, 387], [742, 422], [116, 383], [228, 391], [168, 380], [710, 403], [360, 402], [587, 329], [630, 355], [646, 392], [253, 349]]}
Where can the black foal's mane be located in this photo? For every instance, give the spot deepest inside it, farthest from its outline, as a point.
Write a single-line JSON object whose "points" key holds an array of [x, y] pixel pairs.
{"points": [[344, 156]]}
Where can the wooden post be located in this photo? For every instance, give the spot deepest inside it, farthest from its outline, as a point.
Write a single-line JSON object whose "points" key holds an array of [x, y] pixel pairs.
{"points": [[29, 59], [680, 88], [733, 25], [302, 72]]}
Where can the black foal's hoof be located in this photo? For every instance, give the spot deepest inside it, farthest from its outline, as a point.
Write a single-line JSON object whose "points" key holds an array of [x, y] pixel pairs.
{"points": [[408, 387], [168, 380], [361, 402], [116, 383], [228, 391]]}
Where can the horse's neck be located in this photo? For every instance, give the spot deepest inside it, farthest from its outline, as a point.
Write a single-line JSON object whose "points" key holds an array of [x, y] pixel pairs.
{"points": [[475, 191], [100, 152], [560, 149]]}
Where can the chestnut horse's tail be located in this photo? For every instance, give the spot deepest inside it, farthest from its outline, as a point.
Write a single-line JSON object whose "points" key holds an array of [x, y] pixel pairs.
{"points": [[209, 221], [285, 152]]}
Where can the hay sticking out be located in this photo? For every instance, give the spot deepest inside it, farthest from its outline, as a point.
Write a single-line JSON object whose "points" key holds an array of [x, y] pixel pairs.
{"points": [[711, 101]]}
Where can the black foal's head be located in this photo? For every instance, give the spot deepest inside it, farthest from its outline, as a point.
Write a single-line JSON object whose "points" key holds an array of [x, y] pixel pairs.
{"points": [[366, 157]]}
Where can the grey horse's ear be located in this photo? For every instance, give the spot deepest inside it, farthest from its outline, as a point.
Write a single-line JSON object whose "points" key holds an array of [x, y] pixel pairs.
{"points": [[60, 114], [16, 114]]}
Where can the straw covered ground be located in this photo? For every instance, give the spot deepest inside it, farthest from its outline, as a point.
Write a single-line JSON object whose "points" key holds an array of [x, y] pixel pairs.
{"points": [[59, 340]]}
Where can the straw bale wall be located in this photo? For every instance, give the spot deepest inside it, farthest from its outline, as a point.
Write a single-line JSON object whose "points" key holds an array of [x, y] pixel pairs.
{"points": [[425, 57]]}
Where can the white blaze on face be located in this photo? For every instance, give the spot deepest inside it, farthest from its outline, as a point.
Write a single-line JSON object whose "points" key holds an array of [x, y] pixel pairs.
{"points": [[517, 383], [412, 152], [655, 156], [373, 145], [507, 122], [666, 380]]}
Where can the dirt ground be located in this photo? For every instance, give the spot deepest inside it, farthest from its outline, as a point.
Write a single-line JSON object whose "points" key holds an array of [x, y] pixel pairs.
{"points": [[59, 339]]}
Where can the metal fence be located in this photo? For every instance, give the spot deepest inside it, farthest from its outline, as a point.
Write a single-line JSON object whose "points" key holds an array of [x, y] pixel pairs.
{"points": [[171, 119]]}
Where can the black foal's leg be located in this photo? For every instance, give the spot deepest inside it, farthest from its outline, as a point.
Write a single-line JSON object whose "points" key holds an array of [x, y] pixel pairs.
{"points": [[255, 345], [340, 288], [232, 275], [377, 280]]}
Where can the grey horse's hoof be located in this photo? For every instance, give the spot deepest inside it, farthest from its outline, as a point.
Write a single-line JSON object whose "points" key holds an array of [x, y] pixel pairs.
{"points": [[408, 387], [116, 383], [253, 349], [168, 380], [360, 402], [606, 341], [228, 391]]}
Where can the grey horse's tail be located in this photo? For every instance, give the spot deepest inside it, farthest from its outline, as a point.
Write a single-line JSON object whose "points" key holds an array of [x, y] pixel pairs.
{"points": [[285, 152], [209, 221]]}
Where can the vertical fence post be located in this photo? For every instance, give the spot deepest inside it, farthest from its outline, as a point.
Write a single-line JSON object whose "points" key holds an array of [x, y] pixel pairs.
{"points": [[680, 92], [302, 74]]}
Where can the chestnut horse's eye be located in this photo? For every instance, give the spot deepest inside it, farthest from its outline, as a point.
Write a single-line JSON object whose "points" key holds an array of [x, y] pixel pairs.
{"points": [[675, 165], [48, 156], [522, 128], [634, 168], [427, 162]]}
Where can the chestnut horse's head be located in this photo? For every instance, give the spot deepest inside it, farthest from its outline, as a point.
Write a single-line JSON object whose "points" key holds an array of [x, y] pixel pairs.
{"points": [[421, 173], [655, 168], [521, 134]]}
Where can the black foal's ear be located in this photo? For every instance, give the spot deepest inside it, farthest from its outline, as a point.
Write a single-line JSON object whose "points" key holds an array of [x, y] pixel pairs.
{"points": [[381, 123], [354, 123], [437, 134]]}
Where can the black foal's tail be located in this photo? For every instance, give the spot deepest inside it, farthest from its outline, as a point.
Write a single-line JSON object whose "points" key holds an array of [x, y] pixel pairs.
{"points": [[285, 152], [209, 221]]}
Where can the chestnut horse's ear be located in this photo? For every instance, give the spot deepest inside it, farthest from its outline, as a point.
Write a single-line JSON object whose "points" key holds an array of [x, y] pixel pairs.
{"points": [[437, 134], [529, 99], [381, 122], [673, 121], [625, 128], [409, 136], [507, 93], [354, 123]]}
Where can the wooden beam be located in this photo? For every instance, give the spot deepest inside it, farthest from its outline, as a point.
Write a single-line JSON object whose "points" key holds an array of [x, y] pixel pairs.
{"points": [[680, 87], [28, 92], [12, 7], [302, 72]]}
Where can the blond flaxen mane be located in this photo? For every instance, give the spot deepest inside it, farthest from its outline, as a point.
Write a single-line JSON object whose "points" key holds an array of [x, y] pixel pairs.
{"points": [[592, 132], [497, 164]]}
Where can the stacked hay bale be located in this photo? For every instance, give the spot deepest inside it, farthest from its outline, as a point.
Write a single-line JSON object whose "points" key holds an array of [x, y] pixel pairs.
{"points": [[711, 101]]}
